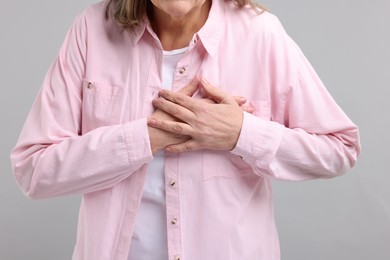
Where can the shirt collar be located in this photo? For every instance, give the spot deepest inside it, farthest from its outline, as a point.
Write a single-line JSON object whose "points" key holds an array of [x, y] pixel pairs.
{"points": [[210, 34], [139, 30]]}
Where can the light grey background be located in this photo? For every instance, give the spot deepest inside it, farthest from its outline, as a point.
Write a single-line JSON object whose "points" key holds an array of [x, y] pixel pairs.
{"points": [[347, 218]]}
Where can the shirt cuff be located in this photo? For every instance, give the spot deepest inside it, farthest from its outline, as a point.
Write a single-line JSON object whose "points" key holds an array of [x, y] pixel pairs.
{"points": [[259, 140], [136, 137]]}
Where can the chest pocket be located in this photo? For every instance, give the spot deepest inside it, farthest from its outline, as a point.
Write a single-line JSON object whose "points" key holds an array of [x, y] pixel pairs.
{"points": [[225, 165], [101, 105]]}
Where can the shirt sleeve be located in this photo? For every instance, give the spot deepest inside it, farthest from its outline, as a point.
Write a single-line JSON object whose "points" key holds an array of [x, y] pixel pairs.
{"points": [[52, 157], [309, 136]]}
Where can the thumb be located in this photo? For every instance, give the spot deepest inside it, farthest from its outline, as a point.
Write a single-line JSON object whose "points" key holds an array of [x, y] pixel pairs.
{"points": [[191, 88], [216, 94]]}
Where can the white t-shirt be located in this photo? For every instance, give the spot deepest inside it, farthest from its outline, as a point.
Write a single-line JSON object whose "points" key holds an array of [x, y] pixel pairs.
{"points": [[149, 241]]}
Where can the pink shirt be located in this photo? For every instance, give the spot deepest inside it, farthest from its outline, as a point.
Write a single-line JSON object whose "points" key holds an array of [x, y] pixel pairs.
{"points": [[87, 134]]}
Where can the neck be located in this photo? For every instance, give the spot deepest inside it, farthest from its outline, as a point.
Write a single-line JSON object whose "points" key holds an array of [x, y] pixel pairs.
{"points": [[177, 32]]}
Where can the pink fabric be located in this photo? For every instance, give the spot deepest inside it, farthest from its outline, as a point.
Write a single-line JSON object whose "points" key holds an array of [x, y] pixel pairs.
{"points": [[87, 134]]}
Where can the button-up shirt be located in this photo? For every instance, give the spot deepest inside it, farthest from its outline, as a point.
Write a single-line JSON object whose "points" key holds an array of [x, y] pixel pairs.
{"points": [[87, 134]]}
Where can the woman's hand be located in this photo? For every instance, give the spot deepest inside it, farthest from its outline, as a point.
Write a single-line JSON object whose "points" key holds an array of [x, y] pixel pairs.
{"points": [[159, 139], [206, 125]]}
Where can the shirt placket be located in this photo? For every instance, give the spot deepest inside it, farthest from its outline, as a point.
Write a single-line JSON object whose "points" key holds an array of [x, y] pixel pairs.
{"points": [[181, 77], [187, 68], [173, 206]]}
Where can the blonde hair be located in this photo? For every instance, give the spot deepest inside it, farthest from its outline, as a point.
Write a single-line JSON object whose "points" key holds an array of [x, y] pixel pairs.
{"points": [[129, 13]]}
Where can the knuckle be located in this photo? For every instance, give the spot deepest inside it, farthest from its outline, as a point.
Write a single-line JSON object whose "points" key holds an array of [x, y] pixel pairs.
{"points": [[176, 111], [187, 147], [204, 108], [178, 99], [161, 124], [186, 90], [177, 129], [158, 102]]}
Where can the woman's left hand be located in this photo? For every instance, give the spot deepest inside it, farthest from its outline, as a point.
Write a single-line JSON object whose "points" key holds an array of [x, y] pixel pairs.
{"points": [[211, 125]]}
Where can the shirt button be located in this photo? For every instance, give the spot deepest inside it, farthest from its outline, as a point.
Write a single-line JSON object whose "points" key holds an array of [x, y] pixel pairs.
{"points": [[182, 70], [90, 85], [172, 183], [177, 258], [174, 221]]}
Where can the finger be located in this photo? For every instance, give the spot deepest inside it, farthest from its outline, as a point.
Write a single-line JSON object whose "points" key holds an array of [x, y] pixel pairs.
{"points": [[170, 126], [187, 146], [207, 101], [248, 109], [173, 109], [240, 100], [191, 88], [216, 94], [179, 99]]}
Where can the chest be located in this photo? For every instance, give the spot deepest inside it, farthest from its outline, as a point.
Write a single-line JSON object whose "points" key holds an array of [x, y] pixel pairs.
{"points": [[120, 83]]}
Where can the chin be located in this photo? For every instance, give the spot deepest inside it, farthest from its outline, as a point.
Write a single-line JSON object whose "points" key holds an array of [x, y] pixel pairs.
{"points": [[178, 10]]}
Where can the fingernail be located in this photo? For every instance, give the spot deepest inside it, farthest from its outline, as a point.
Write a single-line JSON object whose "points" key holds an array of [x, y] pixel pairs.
{"points": [[243, 100], [152, 122], [160, 93]]}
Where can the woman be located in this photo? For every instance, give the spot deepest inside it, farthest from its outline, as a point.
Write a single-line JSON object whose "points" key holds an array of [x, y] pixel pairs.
{"points": [[141, 113]]}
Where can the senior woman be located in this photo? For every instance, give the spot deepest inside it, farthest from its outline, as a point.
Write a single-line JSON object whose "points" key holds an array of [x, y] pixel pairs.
{"points": [[143, 113]]}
